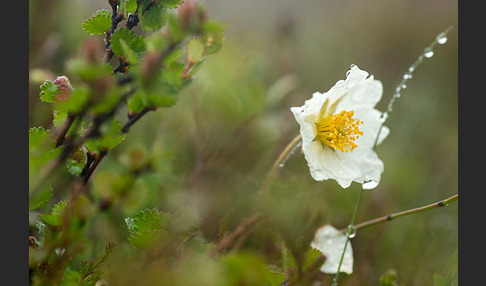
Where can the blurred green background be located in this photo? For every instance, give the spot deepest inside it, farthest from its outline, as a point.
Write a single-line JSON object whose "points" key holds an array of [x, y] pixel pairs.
{"points": [[212, 150]]}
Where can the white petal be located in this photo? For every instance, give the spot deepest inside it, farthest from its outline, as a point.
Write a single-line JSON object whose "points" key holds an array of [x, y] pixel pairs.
{"points": [[360, 93], [330, 242]]}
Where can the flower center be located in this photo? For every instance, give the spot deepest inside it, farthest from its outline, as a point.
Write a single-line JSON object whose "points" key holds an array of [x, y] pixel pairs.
{"points": [[339, 131]]}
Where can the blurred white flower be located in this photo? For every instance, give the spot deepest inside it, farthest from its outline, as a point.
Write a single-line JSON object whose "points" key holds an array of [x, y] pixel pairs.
{"points": [[339, 129], [330, 242]]}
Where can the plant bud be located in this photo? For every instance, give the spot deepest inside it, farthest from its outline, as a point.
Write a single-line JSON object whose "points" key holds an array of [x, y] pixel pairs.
{"points": [[149, 67], [64, 87], [92, 50], [190, 15]]}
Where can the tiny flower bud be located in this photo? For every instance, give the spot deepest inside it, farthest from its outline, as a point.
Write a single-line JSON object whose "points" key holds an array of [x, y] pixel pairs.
{"points": [[92, 50], [64, 87], [190, 15], [149, 67]]}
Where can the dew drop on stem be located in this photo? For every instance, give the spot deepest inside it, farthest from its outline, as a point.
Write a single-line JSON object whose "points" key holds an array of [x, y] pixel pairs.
{"points": [[351, 231]]}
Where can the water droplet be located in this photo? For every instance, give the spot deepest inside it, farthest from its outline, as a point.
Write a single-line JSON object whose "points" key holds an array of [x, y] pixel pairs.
{"points": [[407, 76], [411, 69], [404, 86], [351, 231], [383, 117], [429, 54], [398, 89], [397, 95], [441, 39], [281, 165], [370, 185]]}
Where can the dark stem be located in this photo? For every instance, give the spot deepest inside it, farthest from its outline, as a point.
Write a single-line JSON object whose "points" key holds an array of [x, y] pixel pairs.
{"points": [[95, 162], [134, 118], [64, 130]]}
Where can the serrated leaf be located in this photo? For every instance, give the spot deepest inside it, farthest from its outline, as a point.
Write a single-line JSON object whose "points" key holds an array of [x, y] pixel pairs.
{"points": [[121, 34], [311, 256], [147, 220], [55, 217], [148, 239], [275, 278], [48, 91], [41, 198], [111, 137], [153, 18], [195, 50], [129, 54], [76, 102], [59, 117], [213, 37], [41, 149], [76, 162], [99, 23]]}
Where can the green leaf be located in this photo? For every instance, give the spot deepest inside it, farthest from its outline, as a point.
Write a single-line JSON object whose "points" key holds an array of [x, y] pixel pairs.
{"points": [[111, 137], [275, 277], [148, 239], [213, 37], [59, 117], [450, 277], [41, 149], [76, 162], [131, 6], [121, 34], [137, 102], [41, 198], [195, 50], [389, 278], [147, 228], [130, 55], [311, 257], [48, 91], [170, 3], [55, 217], [99, 23], [147, 220], [76, 102], [154, 17]]}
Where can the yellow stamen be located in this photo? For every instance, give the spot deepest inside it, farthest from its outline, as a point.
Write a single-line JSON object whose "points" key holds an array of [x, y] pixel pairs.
{"points": [[339, 131]]}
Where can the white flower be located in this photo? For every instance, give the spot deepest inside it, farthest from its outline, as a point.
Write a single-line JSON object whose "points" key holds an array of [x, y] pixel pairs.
{"points": [[330, 242], [339, 129]]}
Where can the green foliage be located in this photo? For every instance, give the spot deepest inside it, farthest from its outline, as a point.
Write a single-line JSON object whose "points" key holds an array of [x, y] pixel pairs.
{"points": [[155, 17], [112, 136], [41, 150], [133, 43], [99, 23], [450, 273], [40, 199], [147, 228], [48, 91], [195, 50], [55, 218]]}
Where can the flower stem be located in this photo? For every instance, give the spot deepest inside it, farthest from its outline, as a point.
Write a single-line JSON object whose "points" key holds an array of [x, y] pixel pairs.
{"points": [[276, 165], [402, 85], [350, 229], [405, 213]]}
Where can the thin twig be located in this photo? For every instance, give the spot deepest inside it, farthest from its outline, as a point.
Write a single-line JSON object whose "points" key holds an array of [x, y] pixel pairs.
{"points": [[276, 165], [65, 129], [404, 213]]}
